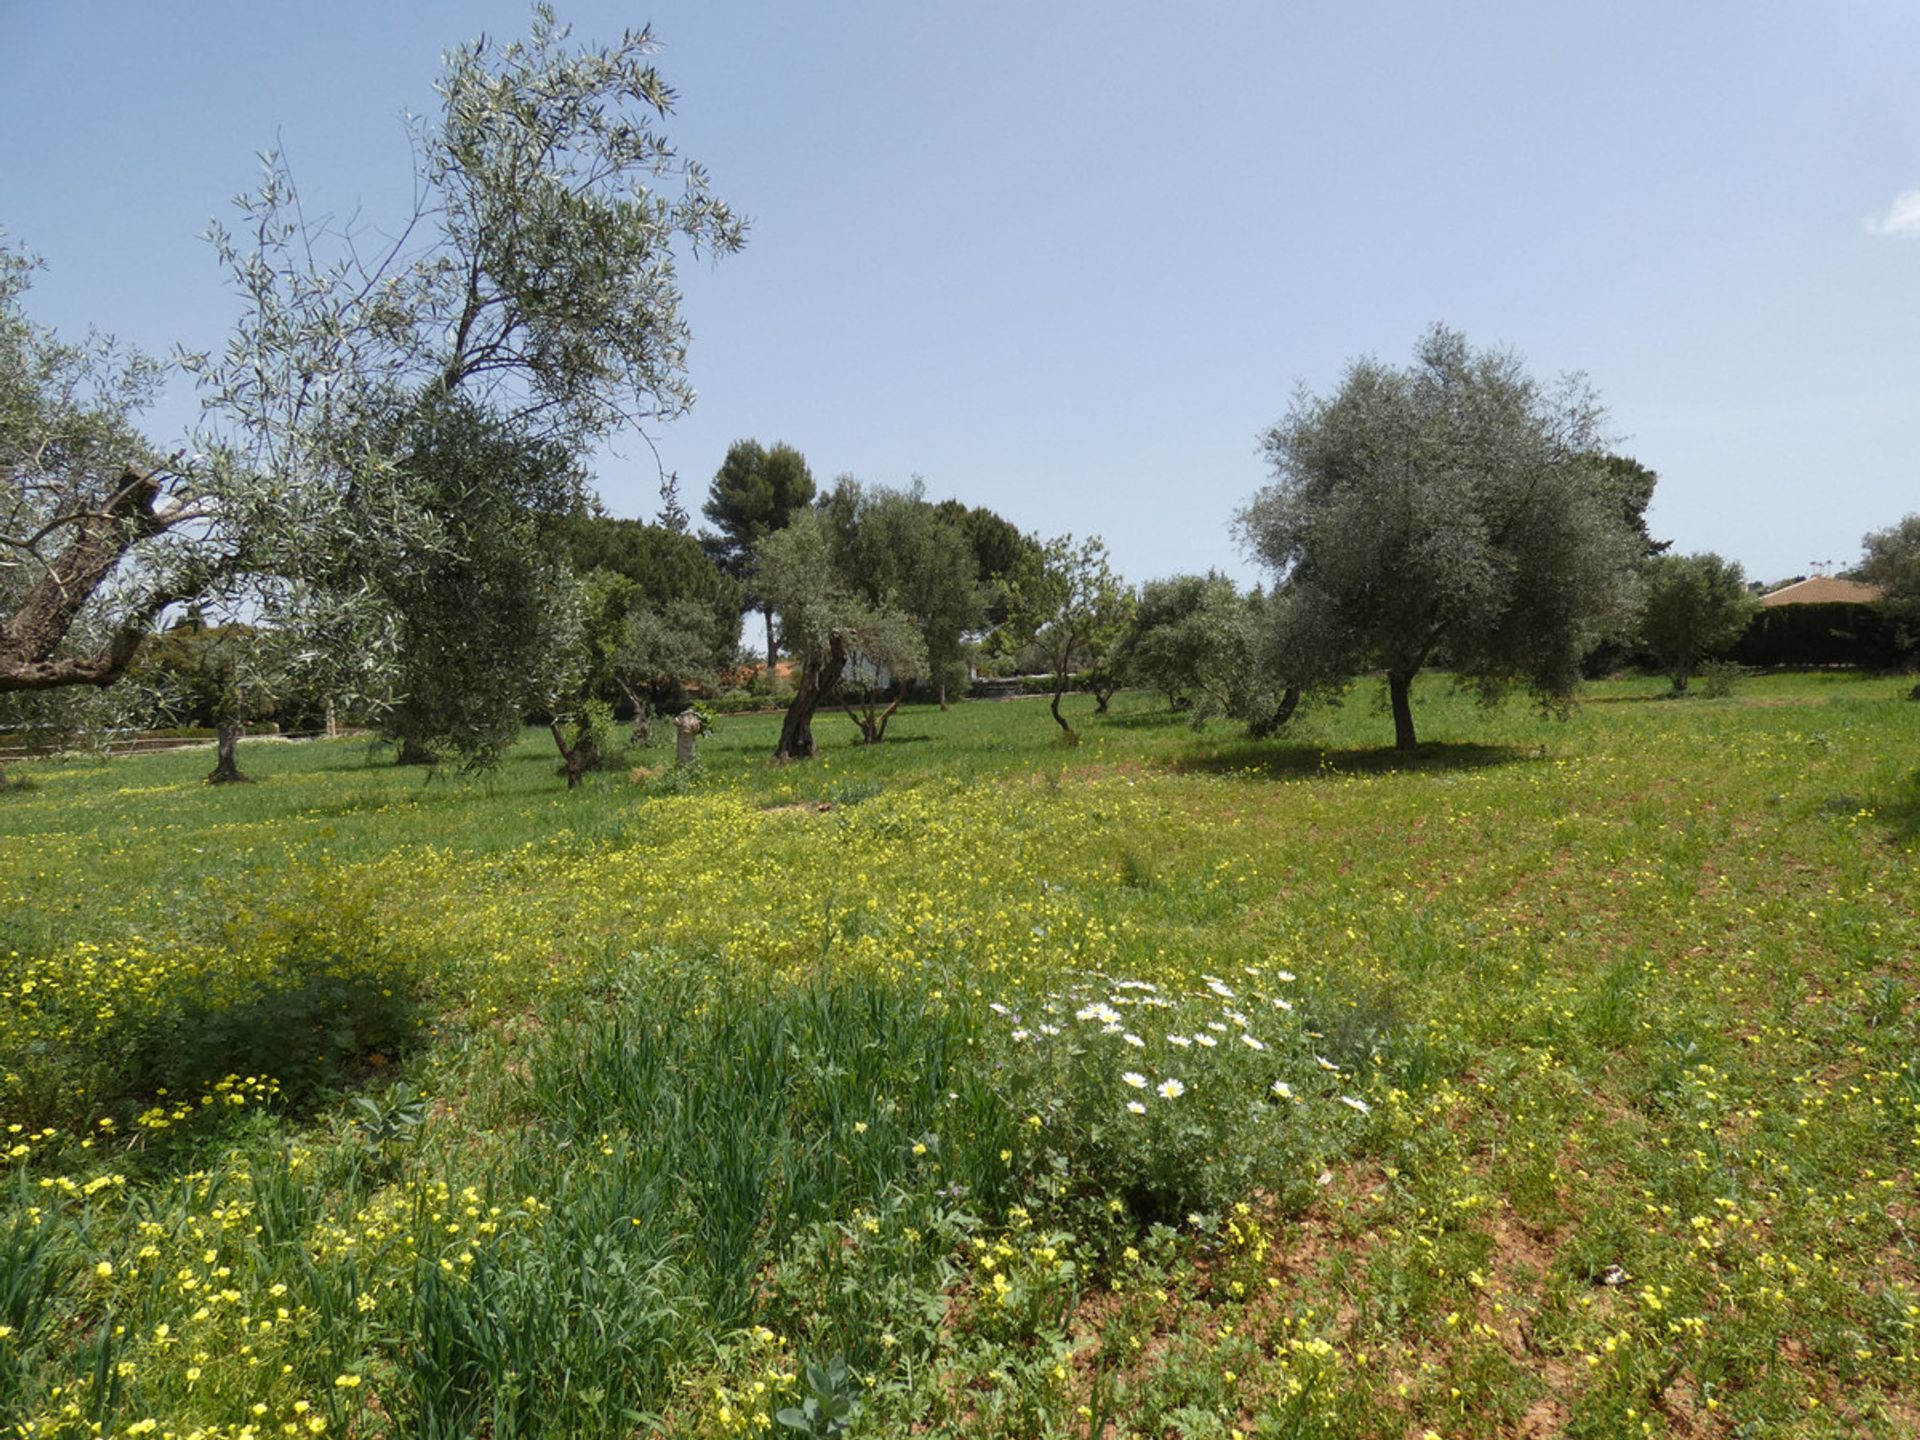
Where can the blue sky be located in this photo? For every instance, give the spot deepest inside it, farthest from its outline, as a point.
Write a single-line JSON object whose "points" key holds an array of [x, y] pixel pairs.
{"points": [[1070, 260]]}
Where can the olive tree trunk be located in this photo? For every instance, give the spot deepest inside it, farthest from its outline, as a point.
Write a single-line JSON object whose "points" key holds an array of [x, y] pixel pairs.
{"points": [[1265, 725], [872, 722], [818, 677], [579, 755], [412, 752], [1072, 735], [1400, 692], [226, 766]]}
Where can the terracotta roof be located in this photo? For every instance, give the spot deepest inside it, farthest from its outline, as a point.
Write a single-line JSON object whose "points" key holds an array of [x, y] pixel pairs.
{"points": [[1823, 590]]}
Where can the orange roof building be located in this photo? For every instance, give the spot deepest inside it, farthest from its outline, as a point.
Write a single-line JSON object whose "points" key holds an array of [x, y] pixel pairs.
{"points": [[1823, 590]]}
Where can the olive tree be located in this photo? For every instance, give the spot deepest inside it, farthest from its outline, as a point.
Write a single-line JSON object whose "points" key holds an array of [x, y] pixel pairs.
{"points": [[483, 618], [98, 533], [829, 617], [1075, 609], [535, 277], [1193, 638], [1213, 651], [917, 558], [1892, 561], [1693, 607], [1451, 508]]}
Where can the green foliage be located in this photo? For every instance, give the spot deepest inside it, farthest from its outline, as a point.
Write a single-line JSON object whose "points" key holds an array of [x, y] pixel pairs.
{"points": [[1004, 556], [1693, 607], [833, 618], [1197, 640], [1843, 633], [1075, 609], [1632, 485], [810, 572], [1719, 677], [677, 587], [386, 429], [1891, 560], [86, 511], [905, 554], [1449, 508], [831, 1404], [484, 621], [756, 491], [206, 675]]}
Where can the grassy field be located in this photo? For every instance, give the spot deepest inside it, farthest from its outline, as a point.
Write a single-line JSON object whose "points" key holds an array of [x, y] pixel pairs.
{"points": [[1558, 1079]]}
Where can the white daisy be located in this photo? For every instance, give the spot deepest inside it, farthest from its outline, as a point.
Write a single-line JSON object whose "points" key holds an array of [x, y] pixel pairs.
{"points": [[1135, 1079], [1170, 1089]]}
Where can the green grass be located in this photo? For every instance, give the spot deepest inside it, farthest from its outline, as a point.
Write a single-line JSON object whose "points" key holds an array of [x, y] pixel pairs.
{"points": [[1599, 1113]]}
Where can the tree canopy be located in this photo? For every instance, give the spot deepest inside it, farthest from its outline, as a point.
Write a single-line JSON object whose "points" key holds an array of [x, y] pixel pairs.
{"points": [[829, 615], [1693, 608], [906, 554], [1892, 561], [535, 280], [1196, 639], [481, 621], [1074, 608], [1451, 507], [756, 491]]}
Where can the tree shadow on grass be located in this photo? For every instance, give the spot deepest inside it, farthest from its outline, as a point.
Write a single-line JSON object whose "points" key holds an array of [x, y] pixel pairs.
{"points": [[1295, 762], [1901, 808], [204, 1043], [1148, 720]]}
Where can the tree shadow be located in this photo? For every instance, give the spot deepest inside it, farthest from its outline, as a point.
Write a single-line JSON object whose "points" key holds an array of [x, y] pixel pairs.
{"points": [[295, 1028], [1296, 762], [1901, 809], [1150, 720]]}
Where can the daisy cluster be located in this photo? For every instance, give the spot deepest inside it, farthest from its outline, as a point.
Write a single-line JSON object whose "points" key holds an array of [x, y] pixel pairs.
{"points": [[1168, 1039]]}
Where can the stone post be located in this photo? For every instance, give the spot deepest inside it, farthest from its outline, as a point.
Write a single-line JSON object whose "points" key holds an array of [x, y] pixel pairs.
{"points": [[688, 724]]}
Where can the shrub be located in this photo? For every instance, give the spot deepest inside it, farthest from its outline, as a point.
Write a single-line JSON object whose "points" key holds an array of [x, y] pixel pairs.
{"points": [[1718, 677]]}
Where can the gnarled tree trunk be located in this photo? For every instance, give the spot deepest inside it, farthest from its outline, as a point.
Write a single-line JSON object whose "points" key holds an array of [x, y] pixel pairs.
{"points": [[580, 755], [226, 768], [1071, 735], [412, 752], [873, 727], [1400, 693], [31, 637], [818, 677], [1266, 725], [641, 732]]}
